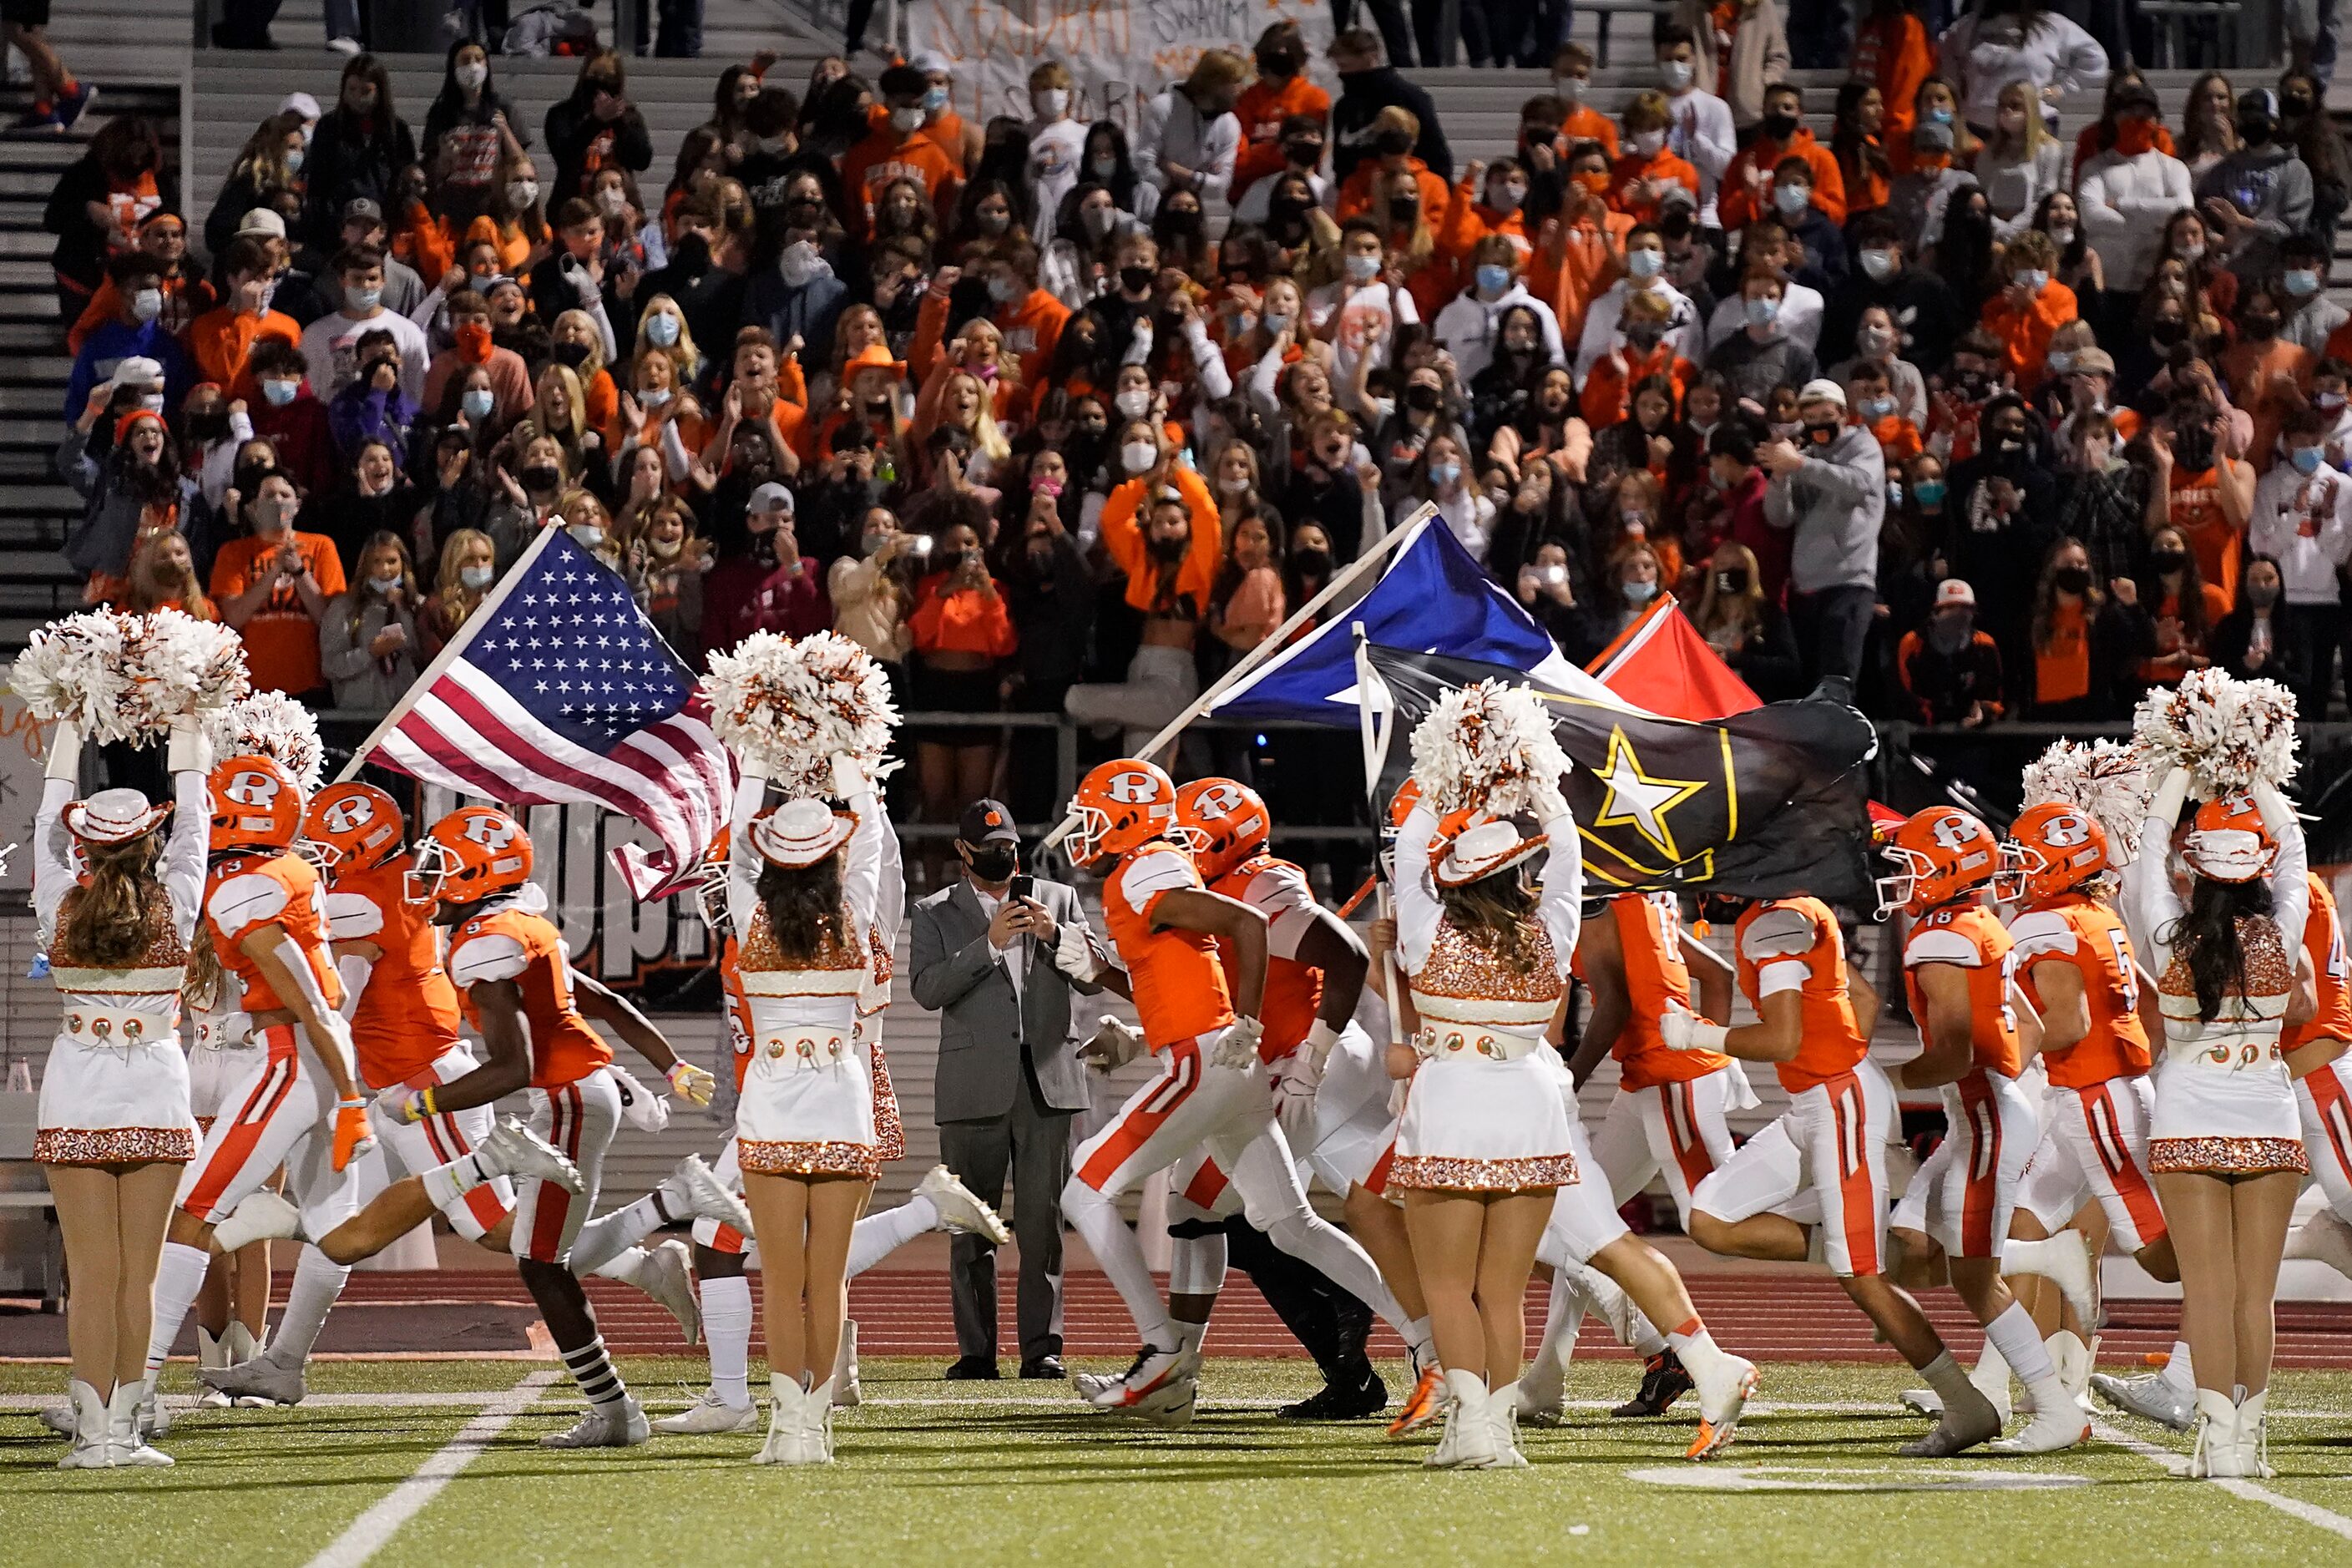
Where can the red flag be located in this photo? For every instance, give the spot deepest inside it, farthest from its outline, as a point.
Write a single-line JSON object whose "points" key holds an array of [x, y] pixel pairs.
{"points": [[1662, 664]]}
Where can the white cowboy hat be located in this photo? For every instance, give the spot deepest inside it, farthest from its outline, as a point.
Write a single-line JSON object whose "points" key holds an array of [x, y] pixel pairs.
{"points": [[800, 833], [1483, 848], [113, 817]]}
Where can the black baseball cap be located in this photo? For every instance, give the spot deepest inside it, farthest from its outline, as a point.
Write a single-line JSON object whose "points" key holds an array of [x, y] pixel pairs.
{"points": [[987, 822]]}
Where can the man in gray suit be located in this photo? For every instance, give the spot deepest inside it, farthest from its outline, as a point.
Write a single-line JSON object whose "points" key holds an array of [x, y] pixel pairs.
{"points": [[999, 963]]}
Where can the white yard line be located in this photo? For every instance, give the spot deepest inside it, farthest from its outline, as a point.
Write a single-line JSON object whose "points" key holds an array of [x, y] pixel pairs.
{"points": [[2311, 1513], [368, 1533]]}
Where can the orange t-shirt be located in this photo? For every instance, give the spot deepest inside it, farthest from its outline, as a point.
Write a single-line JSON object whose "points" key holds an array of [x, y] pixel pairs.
{"points": [[509, 944], [1800, 931], [1584, 124], [2213, 538], [1293, 991], [1179, 986], [1649, 935], [222, 340], [2323, 938], [1355, 197], [1579, 262], [1609, 388], [253, 889], [2078, 930], [2061, 671], [1261, 109], [407, 1016], [961, 620], [281, 640], [1896, 436], [2025, 334], [1762, 156], [1627, 171], [1970, 937]]}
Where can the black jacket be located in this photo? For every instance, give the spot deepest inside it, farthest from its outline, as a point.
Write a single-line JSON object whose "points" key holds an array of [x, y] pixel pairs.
{"points": [[345, 163], [581, 144], [1921, 303], [1362, 96]]}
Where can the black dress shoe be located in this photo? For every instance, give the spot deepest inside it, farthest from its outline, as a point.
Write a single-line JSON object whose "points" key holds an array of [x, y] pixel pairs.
{"points": [[972, 1369], [1043, 1366], [1341, 1401]]}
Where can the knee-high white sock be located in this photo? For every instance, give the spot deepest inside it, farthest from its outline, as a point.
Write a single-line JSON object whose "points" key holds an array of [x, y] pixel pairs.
{"points": [[606, 1237], [2012, 1333], [1120, 1256], [1990, 1374], [178, 1277], [727, 1329], [317, 1280], [1696, 1350], [444, 1185], [1628, 1322], [2179, 1370], [1546, 1376], [1419, 1338], [1950, 1383], [877, 1235]]}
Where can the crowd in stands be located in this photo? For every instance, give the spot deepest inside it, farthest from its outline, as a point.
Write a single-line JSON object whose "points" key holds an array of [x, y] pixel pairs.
{"points": [[1939, 413]]}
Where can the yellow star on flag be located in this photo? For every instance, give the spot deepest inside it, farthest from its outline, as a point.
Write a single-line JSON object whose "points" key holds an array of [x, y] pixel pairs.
{"points": [[1637, 798]]}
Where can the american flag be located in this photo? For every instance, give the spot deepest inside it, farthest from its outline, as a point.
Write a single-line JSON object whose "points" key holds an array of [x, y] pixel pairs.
{"points": [[558, 689]]}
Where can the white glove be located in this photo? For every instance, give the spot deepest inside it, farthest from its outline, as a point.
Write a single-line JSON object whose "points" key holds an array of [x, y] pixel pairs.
{"points": [[1294, 1103], [691, 1084], [1549, 804], [1683, 1030], [65, 751], [1322, 1037], [642, 1109], [404, 1105], [850, 779], [187, 750], [1073, 956], [1236, 1045], [240, 427], [1115, 1044]]}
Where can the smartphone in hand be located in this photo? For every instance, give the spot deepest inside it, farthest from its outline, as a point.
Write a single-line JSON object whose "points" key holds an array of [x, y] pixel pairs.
{"points": [[1025, 886]]}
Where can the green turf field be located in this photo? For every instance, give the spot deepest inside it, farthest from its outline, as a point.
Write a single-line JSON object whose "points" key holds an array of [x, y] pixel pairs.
{"points": [[932, 1472]]}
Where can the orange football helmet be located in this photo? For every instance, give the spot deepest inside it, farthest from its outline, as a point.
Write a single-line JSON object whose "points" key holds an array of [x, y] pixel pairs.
{"points": [[1227, 818], [1939, 854], [1119, 805], [2051, 849], [356, 827], [2227, 841], [471, 854], [257, 804]]}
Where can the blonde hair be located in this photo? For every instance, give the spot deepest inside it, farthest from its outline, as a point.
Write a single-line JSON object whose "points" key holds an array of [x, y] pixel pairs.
{"points": [[576, 399], [683, 354], [2035, 134], [1217, 69], [595, 360], [985, 436], [449, 581], [1743, 610]]}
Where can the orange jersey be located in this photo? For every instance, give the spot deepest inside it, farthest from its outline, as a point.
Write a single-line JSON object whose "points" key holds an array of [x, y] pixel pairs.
{"points": [[1650, 936], [407, 1015], [1794, 943], [509, 944], [2323, 939], [1179, 986], [1970, 937], [2085, 933], [1892, 53], [270, 887], [1293, 991], [739, 1007]]}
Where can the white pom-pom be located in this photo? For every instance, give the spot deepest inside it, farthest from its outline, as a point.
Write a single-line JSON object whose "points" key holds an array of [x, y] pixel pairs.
{"points": [[1488, 745], [269, 724], [2110, 781], [788, 707], [2229, 734], [125, 678]]}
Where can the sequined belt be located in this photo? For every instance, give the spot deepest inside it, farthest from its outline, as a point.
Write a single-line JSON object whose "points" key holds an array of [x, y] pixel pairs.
{"points": [[117, 1027], [780, 1051], [1431, 1043]]}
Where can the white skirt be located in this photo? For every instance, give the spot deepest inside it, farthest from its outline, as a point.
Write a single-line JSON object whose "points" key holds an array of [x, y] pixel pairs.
{"points": [[1476, 1125], [115, 1104], [2238, 1119], [807, 1109]]}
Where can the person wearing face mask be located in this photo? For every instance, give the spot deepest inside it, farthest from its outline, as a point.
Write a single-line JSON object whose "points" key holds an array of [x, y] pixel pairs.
{"points": [[1815, 251], [2176, 608], [273, 585], [1950, 671], [2127, 193], [2262, 640], [2302, 526], [1648, 168], [1745, 628], [331, 345], [1781, 134], [2003, 510], [766, 583], [1368, 84], [221, 340], [1872, 398], [1830, 492], [2313, 316], [1643, 353], [2203, 494], [1921, 194], [1267, 108], [1762, 355], [1645, 260], [1058, 142], [1921, 314], [368, 639], [1187, 138], [2034, 306], [1466, 325], [1698, 122], [897, 148], [2081, 642], [1162, 530], [2269, 374], [1394, 135], [798, 297], [288, 417], [137, 331], [161, 234], [358, 149], [2257, 196], [2001, 41], [2105, 497], [468, 129], [594, 126]]}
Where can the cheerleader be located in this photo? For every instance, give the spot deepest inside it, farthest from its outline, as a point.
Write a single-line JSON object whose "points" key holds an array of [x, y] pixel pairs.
{"points": [[1484, 1141], [114, 1128], [2224, 1140], [804, 888]]}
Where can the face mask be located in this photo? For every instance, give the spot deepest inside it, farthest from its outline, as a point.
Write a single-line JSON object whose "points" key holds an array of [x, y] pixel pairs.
{"points": [[1571, 88], [1311, 562], [905, 121], [1238, 485], [613, 201], [1874, 342], [1505, 198], [2262, 595], [541, 477], [1791, 199], [1493, 280], [2302, 282], [2062, 235], [1764, 311], [2072, 579], [1363, 268], [2255, 129], [385, 584], [661, 331], [587, 535], [1676, 74], [1949, 634], [2060, 361], [522, 193], [1422, 398], [1733, 581], [1780, 126], [478, 403], [1820, 435], [1049, 102], [2306, 460], [1876, 408], [935, 97], [2033, 279], [1132, 404], [475, 577], [571, 356], [1639, 594], [993, 862], [997, 223], [2261, 328], [1139, 456], [280, 393], [1273, 321], [1441, 474], [1645, 263], [797, 262], [1136, 280], [2167, 561], [2330, 401], [1928, 492], [1004, 291], [1102, 168], [2194, 450], [2193, 252], [1647, 142], [471, 76], [2168, 335], [1594, 182], [146, 305], [1940, 115]]}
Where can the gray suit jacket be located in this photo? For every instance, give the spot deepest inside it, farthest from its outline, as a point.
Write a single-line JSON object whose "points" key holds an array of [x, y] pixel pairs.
{"points": [[956, 972]]}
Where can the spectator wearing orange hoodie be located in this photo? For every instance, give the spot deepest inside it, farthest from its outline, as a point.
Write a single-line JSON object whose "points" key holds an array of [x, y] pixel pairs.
{"points": [[221, 340], [163, 233], [1030, 318], [1280, 93], [1891, 52], [1641, 178], [1489, 200], [1872, 398], [898, 148], [1579, 253], [2034, 306], [1644, 353], [1571, 75], [1782, 133], [1395, 131]]}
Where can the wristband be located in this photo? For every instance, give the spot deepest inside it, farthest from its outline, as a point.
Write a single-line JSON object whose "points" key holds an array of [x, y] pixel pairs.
{"points": [[1706, 1036], [426, 1100]]}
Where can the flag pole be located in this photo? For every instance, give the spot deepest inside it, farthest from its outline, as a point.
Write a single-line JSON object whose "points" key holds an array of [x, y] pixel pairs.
{"points": [[448, 655], [1375, 730], [1271, 644]]}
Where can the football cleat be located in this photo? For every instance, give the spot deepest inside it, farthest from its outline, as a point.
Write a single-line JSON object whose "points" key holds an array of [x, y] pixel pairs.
{"points": [[510, 1149], [1172, 1404], [1091, 1385], [1664, 1379], [691, 1192], [2065, 1260], [260, 1378], [668, 1276], [709, 1415], [846, 1391], [1720, 1407], [2152, 1396], [962, 1210], [2050, 1432], [1151, 1370], [262, 1216], [1424, 1404], [1339, 1401], [1958, 1431], [603, 1427]]}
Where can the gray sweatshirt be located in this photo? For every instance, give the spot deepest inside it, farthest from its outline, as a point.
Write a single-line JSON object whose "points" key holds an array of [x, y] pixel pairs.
{"points": [[1836, 502], [2270, 185]]}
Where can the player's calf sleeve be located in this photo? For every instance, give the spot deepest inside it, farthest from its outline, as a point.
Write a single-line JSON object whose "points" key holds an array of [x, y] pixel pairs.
{"points": [[1120, 1258], [1196, 1264], [599, 1381], [727, 1331], [877, 1235], [318, 1281], [178, 1277]]}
